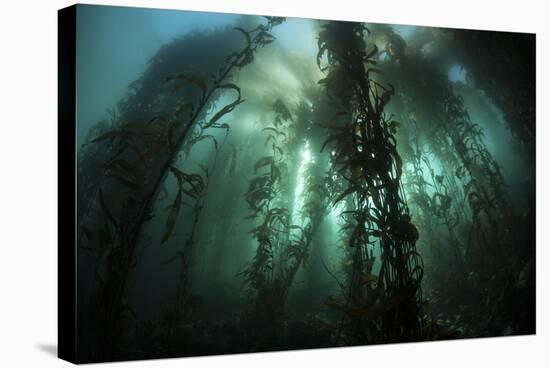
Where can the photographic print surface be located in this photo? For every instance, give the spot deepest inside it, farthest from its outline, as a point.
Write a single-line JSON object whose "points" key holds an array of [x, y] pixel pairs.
{"points": [[253, 183]]}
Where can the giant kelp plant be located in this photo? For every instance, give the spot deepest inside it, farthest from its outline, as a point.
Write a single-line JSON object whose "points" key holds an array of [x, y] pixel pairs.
{"points": [[386, 306], [247, 196]]}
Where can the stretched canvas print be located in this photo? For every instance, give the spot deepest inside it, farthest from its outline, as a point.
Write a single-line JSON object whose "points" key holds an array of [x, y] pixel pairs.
{"points": [[238, 183]]}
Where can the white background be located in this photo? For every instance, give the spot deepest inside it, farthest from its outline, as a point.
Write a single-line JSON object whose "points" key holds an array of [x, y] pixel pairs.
{"points": [[28, 182]]}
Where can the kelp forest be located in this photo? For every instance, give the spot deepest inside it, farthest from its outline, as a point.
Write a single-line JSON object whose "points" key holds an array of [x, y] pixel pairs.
{"points": [[271, 184]]}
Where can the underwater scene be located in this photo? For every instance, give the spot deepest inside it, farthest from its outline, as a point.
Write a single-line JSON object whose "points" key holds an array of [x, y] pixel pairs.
{"points": [[254, 183]]}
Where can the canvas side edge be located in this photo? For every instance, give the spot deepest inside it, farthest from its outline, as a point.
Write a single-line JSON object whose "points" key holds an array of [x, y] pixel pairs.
{"points": [[66, 151]]}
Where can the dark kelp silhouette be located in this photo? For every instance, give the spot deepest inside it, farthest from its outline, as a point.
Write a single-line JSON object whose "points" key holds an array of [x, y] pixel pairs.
{"points": [[143, 152]]}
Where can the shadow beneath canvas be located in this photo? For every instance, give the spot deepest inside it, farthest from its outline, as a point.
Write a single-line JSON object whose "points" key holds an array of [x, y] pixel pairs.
{"points": [[50, 349]]}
